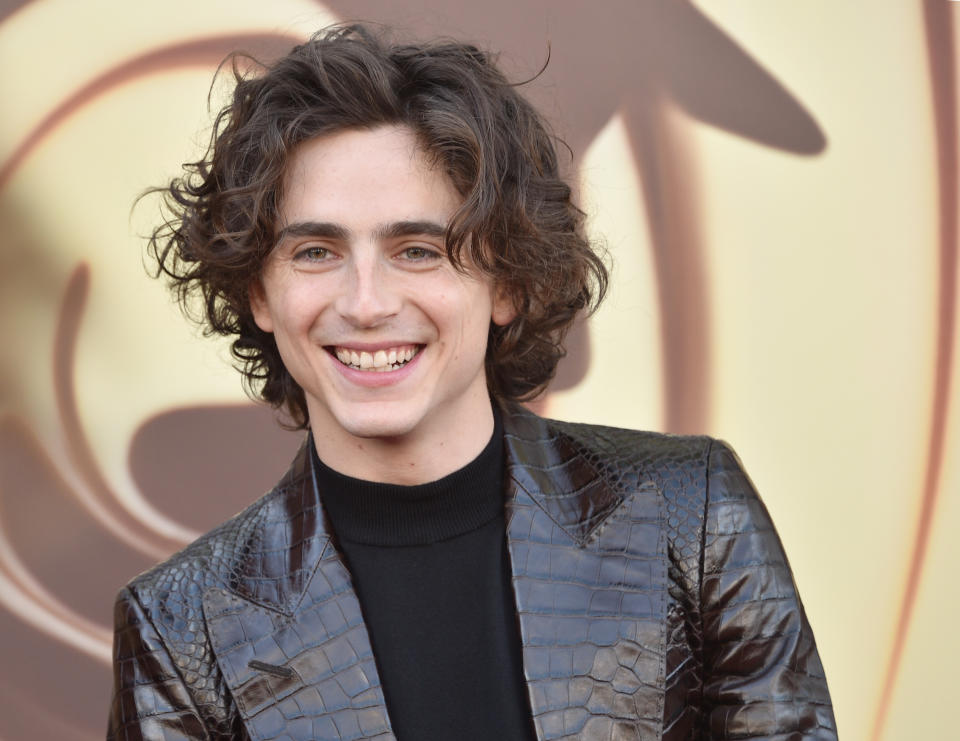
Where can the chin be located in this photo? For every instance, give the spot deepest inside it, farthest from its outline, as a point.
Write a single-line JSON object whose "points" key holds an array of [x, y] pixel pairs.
{"points": [[382, 423]]}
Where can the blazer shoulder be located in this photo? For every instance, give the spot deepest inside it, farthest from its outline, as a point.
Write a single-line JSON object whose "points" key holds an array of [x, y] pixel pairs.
{"points": [[677, 465], [583, 474], [656, 453], [652, 448], [225, 556], [207, 561]]}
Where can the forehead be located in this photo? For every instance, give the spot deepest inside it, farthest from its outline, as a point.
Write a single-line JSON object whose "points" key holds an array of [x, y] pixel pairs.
{"points": [[364, 178]]}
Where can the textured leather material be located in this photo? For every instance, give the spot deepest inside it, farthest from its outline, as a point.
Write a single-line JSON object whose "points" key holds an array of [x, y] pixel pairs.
{"points": [[330, 688], [653, 600]]}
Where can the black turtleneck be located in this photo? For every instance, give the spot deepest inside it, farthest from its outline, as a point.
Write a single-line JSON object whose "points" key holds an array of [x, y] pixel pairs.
{"points": [[431, 570]]}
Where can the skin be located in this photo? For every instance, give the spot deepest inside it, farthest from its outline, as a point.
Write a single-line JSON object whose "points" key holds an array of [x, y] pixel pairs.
{"points": [[360, 265]]}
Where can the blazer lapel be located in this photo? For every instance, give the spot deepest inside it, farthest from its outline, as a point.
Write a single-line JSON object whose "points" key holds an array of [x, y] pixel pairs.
{"points": [[288, 635], [588, 560]]}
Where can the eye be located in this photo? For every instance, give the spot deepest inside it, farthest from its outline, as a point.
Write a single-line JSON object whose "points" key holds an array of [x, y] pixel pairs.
{"points": [[418, 253], [313, 253]]}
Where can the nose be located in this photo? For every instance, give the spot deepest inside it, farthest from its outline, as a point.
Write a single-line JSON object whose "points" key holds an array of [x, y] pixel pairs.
{"points": [[367, 297]]}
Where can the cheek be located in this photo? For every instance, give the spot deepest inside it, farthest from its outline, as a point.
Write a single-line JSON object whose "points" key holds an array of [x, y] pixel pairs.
{"points": [[475, 322], [460, 310], [299, 308]]}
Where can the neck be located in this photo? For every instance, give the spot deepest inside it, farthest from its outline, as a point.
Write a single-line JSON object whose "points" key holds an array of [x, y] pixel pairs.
{"points": [[429, 452]]}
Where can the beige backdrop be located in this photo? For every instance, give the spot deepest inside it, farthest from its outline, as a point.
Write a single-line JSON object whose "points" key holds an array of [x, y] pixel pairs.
{"points": [[776, 184]]}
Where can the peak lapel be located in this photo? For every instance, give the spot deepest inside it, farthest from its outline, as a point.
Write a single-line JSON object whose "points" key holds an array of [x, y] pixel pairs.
{"points": [[288, 635], [588, 560]]}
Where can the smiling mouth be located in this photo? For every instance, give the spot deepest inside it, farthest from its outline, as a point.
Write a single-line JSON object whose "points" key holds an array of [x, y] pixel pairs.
{"points": [[379, 361]]}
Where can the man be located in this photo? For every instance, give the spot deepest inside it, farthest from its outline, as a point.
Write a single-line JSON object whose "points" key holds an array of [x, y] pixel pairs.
{"points": [[383, 232]]}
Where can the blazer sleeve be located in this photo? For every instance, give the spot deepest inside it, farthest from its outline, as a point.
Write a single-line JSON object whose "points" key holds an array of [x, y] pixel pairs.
{"points": [[763, 678], [150, 699]]}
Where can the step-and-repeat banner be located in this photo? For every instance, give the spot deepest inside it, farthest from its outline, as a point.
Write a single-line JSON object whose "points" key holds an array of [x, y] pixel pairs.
{"points": [[775, 183]]}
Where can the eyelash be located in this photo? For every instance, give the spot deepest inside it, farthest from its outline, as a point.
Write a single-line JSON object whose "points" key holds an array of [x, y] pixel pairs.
{"points": [[425, 253], [310, 254]]}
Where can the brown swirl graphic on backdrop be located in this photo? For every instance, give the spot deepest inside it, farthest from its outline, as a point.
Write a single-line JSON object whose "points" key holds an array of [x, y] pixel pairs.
{"points": [[941, 58], [197, 53], [9, 7], [102, 501], [67, 543]]}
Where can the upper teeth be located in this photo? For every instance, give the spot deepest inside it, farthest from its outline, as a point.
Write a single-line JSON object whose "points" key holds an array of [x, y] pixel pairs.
{"points": [[380, 360]]}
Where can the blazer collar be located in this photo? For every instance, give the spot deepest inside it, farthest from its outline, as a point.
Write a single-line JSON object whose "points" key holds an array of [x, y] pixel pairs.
{"points": [[563, 468], [550, 463]]}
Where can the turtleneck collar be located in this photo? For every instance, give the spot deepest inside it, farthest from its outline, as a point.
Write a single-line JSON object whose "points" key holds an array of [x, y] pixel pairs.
{"points": [[382, 514]]}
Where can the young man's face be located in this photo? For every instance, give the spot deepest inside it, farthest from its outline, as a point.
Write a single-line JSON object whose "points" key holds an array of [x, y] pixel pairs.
{"points": [[385, 337]]}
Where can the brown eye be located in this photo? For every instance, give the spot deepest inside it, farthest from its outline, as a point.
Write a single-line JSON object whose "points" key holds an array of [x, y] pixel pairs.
{"points": [[314, 254]]}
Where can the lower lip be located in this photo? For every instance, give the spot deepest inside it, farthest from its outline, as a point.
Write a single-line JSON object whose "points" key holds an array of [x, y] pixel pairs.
{"points": [[377, 379]]}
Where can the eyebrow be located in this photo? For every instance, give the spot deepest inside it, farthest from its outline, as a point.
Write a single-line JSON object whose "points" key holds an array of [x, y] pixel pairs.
{"points": [[324, 229], [329, 230]]}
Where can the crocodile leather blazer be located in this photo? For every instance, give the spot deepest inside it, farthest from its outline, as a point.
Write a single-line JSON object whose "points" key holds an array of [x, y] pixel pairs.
{"points": [[653, 598]]}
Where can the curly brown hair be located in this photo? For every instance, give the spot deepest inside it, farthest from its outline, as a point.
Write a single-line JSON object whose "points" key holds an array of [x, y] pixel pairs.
{"points": [[517, 221]]}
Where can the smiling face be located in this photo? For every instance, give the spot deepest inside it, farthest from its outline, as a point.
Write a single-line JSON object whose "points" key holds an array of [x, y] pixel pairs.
{"points": [[385, 337]]}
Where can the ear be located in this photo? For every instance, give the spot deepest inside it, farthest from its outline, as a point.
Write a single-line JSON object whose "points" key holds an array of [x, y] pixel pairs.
{"points": [[259, 306], [504, 310]]}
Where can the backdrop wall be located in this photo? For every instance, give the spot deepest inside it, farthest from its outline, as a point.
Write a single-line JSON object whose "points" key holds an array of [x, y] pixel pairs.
{"points": [[776, 184]]}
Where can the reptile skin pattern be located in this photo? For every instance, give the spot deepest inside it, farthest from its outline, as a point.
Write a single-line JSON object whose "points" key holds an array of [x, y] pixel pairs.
{"points": [[653, 600]]}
